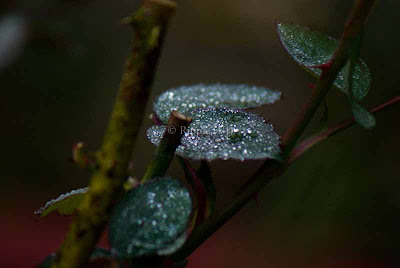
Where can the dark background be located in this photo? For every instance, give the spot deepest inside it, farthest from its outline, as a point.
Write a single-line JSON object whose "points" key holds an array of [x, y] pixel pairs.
{"points": [[338, 206]]}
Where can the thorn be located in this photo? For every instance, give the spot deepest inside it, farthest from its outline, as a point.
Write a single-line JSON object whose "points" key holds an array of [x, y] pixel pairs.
{"points": [[79, 157], [323, 67]]}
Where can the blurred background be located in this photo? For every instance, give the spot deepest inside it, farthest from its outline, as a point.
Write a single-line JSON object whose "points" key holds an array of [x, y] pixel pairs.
{"points": [[60, 65]]}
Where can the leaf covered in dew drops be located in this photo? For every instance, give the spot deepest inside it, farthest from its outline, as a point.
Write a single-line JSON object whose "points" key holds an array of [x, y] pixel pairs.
{"points": [[221, 133], [65, 204], [151, 219], [362, 116], [185, 99], [310, 48]]}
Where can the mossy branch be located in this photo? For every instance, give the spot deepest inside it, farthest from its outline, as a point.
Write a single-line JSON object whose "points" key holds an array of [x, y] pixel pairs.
{"points": [[271, 168], [165, 152], [106, 185]]}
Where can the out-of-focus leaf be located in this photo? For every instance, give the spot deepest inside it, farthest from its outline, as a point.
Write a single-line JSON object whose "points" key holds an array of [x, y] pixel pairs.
{"points": [[310, 49], [189, 98], [222, 133], [13, 35], [152, 219], [65, 204]]}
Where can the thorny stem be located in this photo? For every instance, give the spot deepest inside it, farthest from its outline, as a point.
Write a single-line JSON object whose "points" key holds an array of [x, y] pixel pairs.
{"points": [[168, 144], [306, 145], [106, 185], [272, 169]]}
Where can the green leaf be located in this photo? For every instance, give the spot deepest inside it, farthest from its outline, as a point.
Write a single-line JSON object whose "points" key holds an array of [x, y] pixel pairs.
{"points": [[65, 204], [362, 116], [151, 219], [309, 49], [189, 98], [220, 133]]}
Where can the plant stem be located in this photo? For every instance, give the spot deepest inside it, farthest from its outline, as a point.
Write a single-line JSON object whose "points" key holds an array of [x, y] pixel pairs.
{"points": [[221, 216], [168, 144], [198, 190], [306, 145], [271, 168], [352, 29], [208, 183], [106, 185]]}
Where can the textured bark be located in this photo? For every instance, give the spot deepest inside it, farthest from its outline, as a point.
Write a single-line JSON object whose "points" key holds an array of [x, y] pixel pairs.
{"points": [[106, 185]]}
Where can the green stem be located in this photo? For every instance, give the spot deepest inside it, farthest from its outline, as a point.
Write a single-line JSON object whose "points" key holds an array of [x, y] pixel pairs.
{"points": [[106, 185], [168, 144], [272, 169]]}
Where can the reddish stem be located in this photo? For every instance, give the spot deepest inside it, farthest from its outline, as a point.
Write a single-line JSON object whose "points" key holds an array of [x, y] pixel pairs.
{"points": [[155, 119], [304, 146], [323, 67], [200, 193]]}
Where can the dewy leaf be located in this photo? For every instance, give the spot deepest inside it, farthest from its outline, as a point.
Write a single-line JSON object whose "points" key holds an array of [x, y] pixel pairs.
{"points": [[151, 219], [310, 49], [65, 204], [189, 98], [221, 133], [362, 116]]}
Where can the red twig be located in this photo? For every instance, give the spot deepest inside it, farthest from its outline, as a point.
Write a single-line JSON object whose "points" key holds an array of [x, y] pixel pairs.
{"points": [[304, 146]]}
